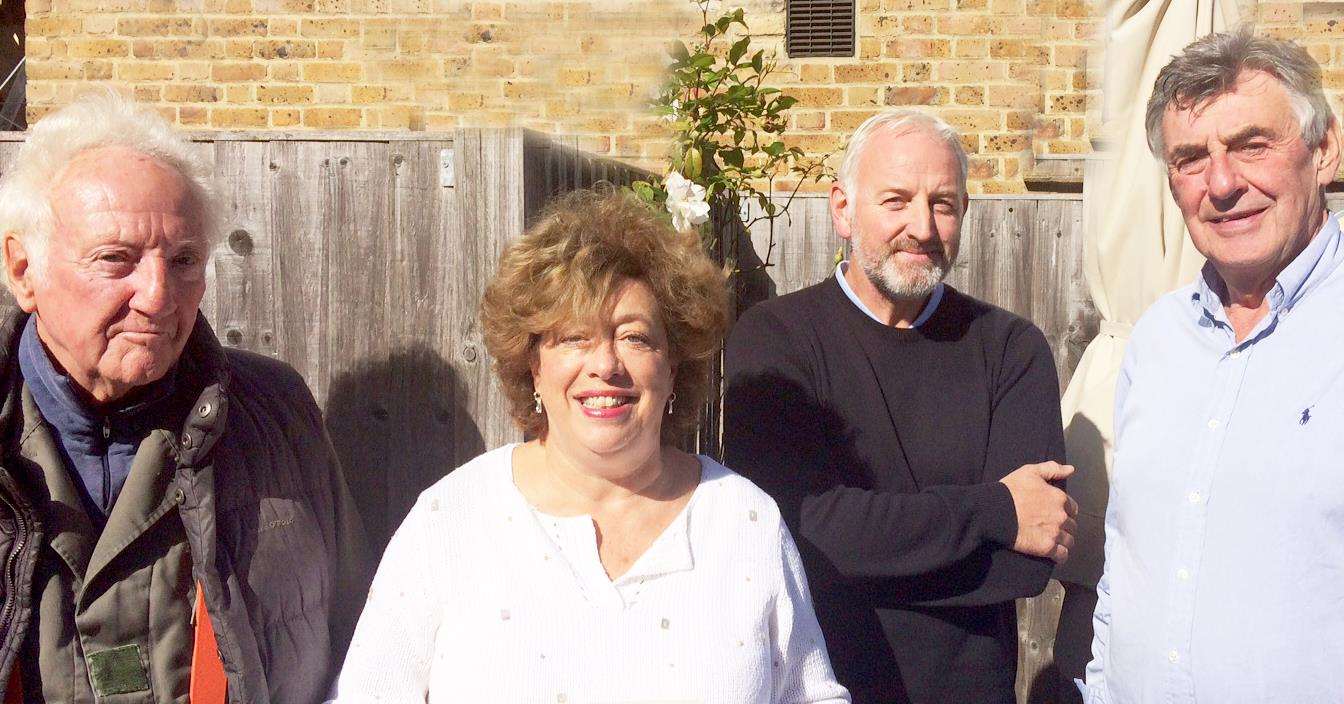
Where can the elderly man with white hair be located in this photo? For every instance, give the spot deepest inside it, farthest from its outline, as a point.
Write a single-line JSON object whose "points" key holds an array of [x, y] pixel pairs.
{"points": [[909, 432], [173, 520]]}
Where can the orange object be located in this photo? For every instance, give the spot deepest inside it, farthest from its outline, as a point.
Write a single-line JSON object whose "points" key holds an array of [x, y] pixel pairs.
{"points": [[208, 685], [14, 692]]}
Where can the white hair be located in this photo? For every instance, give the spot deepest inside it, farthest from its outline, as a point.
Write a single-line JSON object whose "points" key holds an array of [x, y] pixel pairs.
{"points": [[102, 117], [898, 121]]}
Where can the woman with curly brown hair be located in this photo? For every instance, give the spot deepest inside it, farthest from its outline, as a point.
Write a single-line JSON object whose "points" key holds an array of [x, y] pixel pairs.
{"points": [[596, 562]]}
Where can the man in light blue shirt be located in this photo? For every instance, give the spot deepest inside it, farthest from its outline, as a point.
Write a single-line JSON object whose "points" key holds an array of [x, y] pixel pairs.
{"points": [[1224, 577]]}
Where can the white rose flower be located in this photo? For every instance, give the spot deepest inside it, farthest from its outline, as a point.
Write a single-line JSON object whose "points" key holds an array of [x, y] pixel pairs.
{"points": [[685, 201], [676, 111]]}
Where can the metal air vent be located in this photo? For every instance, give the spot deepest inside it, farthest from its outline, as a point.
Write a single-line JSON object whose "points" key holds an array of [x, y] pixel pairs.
{"points": [[820, 28]]}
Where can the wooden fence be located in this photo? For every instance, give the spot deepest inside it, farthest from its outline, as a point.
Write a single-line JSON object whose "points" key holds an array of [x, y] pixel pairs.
{"points": [[360, 259]]}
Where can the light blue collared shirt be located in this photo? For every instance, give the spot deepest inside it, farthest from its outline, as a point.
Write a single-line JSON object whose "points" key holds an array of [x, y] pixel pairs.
{"points": [[935, 298], [1224, 577]]}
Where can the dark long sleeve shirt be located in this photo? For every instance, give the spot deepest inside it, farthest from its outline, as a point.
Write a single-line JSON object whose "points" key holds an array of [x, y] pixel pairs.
{"points": [[884, 447]]}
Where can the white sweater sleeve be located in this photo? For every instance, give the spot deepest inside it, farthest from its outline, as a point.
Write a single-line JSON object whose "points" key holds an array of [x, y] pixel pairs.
{"points": [[393, 646], [802, 668]]}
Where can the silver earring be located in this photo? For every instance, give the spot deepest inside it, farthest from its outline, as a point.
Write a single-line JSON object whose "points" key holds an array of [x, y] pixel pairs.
{"points": [[670, 400], [536, 400]]}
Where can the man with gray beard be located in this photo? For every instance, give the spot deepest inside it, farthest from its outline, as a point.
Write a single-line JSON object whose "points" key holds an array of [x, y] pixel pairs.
{"points": [[910, 433]]}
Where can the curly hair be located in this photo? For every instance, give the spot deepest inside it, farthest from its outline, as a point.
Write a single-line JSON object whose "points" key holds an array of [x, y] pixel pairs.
{"points": [[567, 266]]}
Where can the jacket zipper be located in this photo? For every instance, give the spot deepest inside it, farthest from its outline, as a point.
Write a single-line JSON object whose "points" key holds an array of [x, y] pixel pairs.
{"points": [[107, 466], [21, 533]]}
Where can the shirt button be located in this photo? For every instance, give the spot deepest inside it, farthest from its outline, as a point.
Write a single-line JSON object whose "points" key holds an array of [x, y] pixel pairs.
{"points": [[1183, 574], [1173, 656], [1213, 423], [1234, 353], [1193, 497]]}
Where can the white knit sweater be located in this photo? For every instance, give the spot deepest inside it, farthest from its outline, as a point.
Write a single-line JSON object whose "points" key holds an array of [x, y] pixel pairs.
{"points": [[480, 598]]}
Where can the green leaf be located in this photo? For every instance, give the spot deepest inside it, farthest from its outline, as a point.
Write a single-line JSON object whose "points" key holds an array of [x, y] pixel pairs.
{"points": [[739, 48], [678, 51], [702, 61], [709, 30], [723, 22], [758, 61], [732, 157], [786, 101], [774, 148]]}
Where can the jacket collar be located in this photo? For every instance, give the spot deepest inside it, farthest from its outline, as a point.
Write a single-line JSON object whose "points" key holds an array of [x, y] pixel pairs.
{"points": [[202, 365]]}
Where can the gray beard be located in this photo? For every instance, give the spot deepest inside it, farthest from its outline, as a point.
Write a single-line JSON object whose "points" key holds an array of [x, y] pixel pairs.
{"points": [[903, 283]]}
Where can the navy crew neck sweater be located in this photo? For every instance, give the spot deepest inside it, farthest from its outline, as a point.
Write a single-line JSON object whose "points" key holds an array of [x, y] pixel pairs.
{"points": [[884, 447]]}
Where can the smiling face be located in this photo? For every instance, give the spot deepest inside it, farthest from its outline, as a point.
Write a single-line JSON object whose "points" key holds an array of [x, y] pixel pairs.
{"points": [[904, 214], [604, 385], [1247, 185], [117, 289]]}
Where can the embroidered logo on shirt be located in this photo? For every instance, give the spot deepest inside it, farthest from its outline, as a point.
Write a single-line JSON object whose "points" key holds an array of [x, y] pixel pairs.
{"points": [[1306, 416]]}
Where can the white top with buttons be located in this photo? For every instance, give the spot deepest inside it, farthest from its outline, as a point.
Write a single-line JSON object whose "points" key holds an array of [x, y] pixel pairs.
{"points": [[481, 598]]}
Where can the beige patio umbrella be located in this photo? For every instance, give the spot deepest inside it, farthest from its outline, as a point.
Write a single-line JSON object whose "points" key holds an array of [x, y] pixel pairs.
{"points": [[1136, 250]]}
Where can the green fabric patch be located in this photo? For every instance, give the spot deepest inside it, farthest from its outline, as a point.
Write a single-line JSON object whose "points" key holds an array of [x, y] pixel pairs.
{"points": [[118, 671]]}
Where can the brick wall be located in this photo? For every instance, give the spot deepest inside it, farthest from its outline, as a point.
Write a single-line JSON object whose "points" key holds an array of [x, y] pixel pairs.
{"points": [[1018, 77]]}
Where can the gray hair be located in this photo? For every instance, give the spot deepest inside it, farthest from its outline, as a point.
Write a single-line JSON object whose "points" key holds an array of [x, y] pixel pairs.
{"points": [[899, 121], [1210, 67], [99, 118]]}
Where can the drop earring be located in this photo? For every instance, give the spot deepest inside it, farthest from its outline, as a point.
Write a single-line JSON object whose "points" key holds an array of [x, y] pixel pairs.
{"points": [[670, 400], [536, 402]]}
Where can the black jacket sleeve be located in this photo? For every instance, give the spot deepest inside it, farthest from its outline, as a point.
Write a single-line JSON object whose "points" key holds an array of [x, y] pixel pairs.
{"points": [[943, 546]]}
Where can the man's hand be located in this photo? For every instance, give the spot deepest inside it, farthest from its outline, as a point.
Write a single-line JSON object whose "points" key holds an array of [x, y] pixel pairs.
{"points": [[1045, 524]]}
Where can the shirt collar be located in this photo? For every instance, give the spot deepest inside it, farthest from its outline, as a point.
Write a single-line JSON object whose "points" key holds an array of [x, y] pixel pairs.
{"points": [[1320, 257], [935, 298], [60, 402]]}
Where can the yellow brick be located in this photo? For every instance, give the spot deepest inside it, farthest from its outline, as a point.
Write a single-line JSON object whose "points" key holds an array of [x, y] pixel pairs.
{"points": [[238, 118], [285, 117], [97, 48], [97, 70], [287, 71], [917, 72], [848, 120], [438, 121], [54, 26], [54, 70], [971, 49], [143, 71], [331, 49], [968, 120], [1067, 103], [329, 27], [282, 27], [156, 27], [201, 49], [284, 49], [331, 118], [818, 97], [255, 27], [100, 24], [1014, 96], [969, 95], [918, 48], [815, 73], [284, 95], [863, 96], [193, 70], [575, 77], [523, 90], [332, 72], [915, 95], [225, 72], [331, 93], [867, 73], [970, 71], [180, 93], [809, 120], [404, 70], [368, 95], [192, 115]]}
